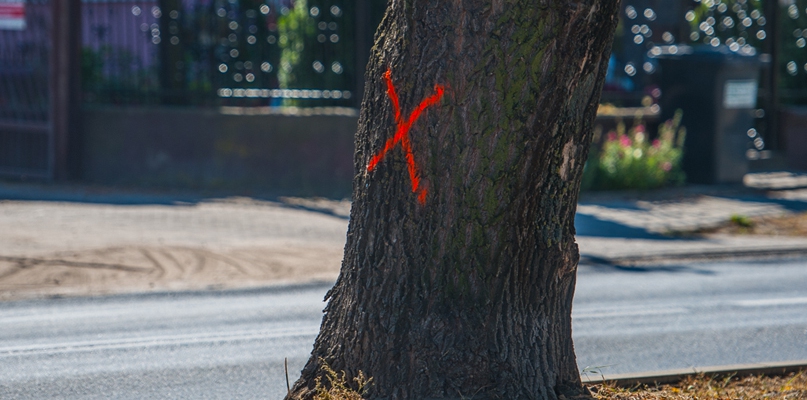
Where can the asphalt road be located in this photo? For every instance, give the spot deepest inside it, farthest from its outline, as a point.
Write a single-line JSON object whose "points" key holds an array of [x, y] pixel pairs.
{"points": [[232, 344]]}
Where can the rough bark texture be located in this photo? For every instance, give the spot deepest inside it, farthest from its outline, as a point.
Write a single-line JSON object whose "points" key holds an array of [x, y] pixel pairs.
{"points": [[469, 295]]}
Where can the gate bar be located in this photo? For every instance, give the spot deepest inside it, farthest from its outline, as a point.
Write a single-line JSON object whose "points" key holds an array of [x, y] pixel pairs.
{"points": [[65, 88]]}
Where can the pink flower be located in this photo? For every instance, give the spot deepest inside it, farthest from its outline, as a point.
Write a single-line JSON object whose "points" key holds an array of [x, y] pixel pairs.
{"points": [[625, 141], [666, 166], [611, 136], [656, 143], [639, 128]]}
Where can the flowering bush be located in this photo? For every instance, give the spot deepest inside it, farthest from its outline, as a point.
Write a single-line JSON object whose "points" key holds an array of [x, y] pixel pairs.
{"points": [[629, 160]]}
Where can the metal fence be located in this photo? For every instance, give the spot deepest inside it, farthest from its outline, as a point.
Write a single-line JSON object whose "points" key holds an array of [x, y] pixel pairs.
{"points": [[309, 53], [273, 52], [24, 93], [793, 50], [220, 52]]}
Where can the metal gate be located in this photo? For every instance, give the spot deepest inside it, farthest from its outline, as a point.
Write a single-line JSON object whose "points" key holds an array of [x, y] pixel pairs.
{"points": [[26, 144]]}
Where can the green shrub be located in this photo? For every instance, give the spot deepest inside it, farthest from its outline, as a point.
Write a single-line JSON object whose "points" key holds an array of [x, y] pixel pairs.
{"points": [[629, 160]]}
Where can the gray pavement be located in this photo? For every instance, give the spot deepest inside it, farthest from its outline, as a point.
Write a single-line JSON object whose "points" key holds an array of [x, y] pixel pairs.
{"points": [[77, 240], [232, 344]]}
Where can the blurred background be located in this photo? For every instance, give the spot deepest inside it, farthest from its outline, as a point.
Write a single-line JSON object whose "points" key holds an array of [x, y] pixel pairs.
{"points": [[245, 95], [178, 173]]}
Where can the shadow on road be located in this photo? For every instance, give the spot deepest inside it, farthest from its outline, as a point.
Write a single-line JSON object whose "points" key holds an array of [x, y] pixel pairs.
{"points": [[597, 264], [150, 197], [588, 225]]}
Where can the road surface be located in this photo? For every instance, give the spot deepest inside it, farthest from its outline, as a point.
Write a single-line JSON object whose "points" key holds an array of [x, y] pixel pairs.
{"points": [[233, 344]]}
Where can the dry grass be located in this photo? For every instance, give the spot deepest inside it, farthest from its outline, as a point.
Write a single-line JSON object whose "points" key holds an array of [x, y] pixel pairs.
{"points": [[338, 387], [790, 387], [700, 387]]}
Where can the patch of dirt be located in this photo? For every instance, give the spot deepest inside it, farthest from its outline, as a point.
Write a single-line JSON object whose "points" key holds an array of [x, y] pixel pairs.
{"points": [[163, 268], [77, 249], [786, 225]]}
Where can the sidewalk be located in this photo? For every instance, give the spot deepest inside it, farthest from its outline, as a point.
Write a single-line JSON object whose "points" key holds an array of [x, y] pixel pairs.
{"points": [[66, 241], [70, 240], [641, 228]]}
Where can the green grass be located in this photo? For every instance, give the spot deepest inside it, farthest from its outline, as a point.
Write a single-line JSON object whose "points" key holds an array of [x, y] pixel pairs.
{"points": [[741, 221]]}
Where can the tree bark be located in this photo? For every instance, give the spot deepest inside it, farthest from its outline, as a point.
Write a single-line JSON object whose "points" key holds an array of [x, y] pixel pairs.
{"points": [[468, 294]]}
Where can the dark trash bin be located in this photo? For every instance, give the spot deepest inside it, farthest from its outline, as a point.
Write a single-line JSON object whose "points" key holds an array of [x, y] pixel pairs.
{"points": [[716, 89]]}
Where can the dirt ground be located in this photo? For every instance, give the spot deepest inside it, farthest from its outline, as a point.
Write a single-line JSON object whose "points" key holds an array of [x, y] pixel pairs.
{"points": [[52, 249], [786, 225]]}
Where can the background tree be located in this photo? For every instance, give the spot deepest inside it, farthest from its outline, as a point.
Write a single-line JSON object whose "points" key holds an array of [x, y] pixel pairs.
{"points": [[318, 53], [468, 294]]}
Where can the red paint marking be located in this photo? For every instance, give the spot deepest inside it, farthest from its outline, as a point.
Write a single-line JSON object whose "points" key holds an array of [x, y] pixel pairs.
{"points": [[402, 133]]}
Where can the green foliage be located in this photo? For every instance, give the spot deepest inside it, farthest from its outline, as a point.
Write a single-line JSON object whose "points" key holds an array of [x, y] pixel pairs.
{"points": [[91, 64], [793, 56], [741, 220], [629, 160], [318, 47], [748, 26], [114, 75], [294, 28], [734, 12]]}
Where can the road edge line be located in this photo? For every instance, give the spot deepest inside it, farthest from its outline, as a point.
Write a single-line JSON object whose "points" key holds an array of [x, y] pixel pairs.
{"points": [[699, 256], [677, 375]]}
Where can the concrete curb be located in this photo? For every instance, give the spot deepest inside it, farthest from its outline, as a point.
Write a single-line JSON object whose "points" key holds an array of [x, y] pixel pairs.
{"points": [[677, 375], [697, 256], [276, 287]]}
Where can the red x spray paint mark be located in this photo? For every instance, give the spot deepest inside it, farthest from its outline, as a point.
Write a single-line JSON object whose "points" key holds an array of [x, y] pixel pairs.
{"points": [[402, 134]]}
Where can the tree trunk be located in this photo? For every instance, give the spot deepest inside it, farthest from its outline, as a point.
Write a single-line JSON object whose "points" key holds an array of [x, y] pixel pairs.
{"points": [[460, 262]]}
